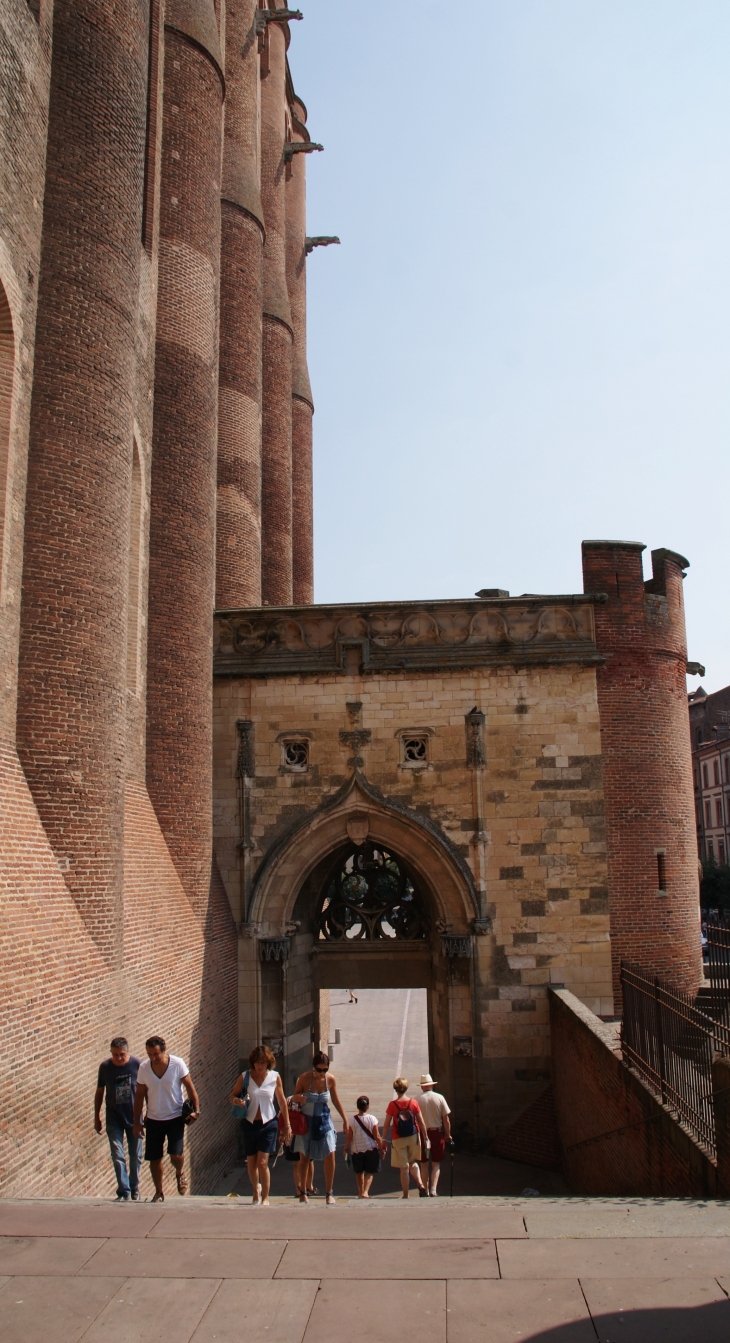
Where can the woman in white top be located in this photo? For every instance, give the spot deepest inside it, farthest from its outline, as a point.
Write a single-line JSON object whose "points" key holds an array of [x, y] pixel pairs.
{"points": [[260, 1124]]}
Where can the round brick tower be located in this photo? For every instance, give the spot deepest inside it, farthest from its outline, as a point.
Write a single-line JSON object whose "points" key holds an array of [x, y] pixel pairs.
{"points": [[647, 765], [72, 691], [276, 432], [302, 404], [238, 564], [183, 491]]}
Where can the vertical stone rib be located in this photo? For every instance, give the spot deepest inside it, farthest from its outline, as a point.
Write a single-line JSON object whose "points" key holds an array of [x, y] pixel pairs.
{"points": [[302, 405], [71, 711], [182, 505], [238, 546], [276, 435]]}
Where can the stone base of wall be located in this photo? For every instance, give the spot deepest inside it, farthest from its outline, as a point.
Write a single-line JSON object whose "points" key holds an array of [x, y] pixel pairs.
{"points": [[617, 1137]]}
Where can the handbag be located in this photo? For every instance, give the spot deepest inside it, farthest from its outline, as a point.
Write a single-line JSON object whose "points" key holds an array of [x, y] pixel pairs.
{"points": [[299, 1122], [239, 1112]]}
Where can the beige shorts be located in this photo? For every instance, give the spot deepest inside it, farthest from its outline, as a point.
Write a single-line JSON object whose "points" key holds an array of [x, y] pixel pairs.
{"points": [[405, 1151]]}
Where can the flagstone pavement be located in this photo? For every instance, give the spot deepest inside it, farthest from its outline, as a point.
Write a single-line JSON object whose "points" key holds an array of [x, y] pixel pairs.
{"points": [[462, 1270]]}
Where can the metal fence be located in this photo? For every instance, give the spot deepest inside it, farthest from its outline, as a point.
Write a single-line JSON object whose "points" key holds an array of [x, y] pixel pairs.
{"points": [[717, 932], [671, 1043]]}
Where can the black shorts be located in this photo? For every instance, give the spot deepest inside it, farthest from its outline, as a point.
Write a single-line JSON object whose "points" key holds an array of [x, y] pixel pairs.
{"points": [[156, 1130], [366, 1163], [260, 1137]]}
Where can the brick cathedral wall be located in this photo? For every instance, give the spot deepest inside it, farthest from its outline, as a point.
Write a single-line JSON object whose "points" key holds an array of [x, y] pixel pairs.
{"points": [[302, 502], [276, 429], [72, 683], [238, 557], [183, 490]]}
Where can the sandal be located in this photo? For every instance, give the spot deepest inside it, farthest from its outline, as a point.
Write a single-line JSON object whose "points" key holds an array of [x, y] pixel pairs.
{"points": [[303, 1197], [330, 1199], [182, 1183], [158, 1198]]}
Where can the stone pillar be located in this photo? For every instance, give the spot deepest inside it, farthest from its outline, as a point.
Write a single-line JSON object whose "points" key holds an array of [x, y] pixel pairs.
{"points": [[276, 435], [302, 404], [238, 563], [647, 763], [71, 710], [183, 491]]}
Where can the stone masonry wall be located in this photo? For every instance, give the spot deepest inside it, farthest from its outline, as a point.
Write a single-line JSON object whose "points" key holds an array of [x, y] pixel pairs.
{"points": [[542, 849]]}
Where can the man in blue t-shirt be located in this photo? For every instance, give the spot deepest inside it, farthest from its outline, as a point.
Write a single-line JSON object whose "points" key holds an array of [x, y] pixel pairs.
{"points": [[118, 1081]]}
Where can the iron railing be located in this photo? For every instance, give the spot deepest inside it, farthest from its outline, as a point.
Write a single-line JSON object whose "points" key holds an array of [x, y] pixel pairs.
{"points": [[718, 968], [671, 1043]]}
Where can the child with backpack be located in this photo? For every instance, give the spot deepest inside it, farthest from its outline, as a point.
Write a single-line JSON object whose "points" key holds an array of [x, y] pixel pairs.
{"points": [[404, 1115]]}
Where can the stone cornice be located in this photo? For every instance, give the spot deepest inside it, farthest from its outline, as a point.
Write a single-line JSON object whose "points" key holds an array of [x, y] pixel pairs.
{"points": [[279, 641]]}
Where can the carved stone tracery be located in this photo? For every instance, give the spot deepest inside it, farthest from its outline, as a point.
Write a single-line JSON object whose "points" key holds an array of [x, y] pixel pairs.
{"points": [[371, 897]]}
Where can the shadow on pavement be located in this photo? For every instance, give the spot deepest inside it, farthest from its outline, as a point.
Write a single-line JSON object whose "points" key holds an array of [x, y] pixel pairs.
{"points": [[692, 1324]]}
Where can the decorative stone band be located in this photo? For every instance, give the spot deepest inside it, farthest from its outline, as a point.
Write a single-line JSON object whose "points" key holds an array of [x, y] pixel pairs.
{"points": [[281, 640], [453, 945], [274, 948]]}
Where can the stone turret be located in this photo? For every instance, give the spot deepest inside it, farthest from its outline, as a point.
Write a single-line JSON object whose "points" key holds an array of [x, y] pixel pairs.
{"points": [[647, 768]]}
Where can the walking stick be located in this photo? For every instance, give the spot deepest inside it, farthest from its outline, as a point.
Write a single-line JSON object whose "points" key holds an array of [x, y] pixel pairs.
{"points": [[451, 1147]]}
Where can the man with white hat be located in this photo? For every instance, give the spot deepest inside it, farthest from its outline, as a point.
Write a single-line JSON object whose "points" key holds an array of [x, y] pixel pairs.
{"points": [[435, 1113]]}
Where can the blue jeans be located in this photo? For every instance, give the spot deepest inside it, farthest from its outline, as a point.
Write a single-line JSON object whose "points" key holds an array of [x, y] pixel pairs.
{"points": [[115, 1131]]}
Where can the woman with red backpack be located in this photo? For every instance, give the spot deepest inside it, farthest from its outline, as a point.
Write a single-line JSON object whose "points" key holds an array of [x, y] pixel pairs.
{"points": [[407, 1121]]}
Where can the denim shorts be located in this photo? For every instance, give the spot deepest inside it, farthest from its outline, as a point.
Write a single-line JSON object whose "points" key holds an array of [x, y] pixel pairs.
{"points": [[260, 1137]]}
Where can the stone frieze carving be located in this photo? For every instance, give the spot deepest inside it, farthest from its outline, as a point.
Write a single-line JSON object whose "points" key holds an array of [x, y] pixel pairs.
{"points": [[266, 641]]}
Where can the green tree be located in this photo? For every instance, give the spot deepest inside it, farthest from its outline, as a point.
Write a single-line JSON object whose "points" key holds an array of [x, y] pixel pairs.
{"points": [[715, 886]]}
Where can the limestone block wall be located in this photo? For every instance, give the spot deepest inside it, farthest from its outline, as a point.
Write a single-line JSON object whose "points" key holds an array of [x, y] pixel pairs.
{"points": [[536, 853]]}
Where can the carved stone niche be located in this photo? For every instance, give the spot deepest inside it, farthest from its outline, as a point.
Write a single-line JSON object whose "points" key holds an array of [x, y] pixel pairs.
{"points": [[476, 754], [358, 827]]}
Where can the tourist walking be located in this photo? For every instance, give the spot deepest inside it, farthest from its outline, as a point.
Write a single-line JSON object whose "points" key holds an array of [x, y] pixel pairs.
{"points": [[116, 1083], [366, 1145], [160, 1080], [319, 1143], [255, 1092], [435, 1113], [404, 1114]]}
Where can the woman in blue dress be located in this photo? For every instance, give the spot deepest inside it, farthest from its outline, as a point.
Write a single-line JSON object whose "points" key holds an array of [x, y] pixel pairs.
{"points": [[320, 1141]]}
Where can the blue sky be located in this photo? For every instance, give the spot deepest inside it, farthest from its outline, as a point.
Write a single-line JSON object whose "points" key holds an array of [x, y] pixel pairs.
{"points": [[524, 338]]}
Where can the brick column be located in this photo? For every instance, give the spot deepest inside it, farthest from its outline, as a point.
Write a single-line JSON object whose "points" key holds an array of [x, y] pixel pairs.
{"points": [[647, 765], [302, 404], [183, 493], [71, 710], [238, 563], [276, 435]]}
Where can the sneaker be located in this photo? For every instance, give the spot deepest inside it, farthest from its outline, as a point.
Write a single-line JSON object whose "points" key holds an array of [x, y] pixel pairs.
{"points": [[135, 1195], [122, 1198]]}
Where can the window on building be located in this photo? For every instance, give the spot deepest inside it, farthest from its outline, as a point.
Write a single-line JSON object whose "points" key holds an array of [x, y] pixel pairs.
{"points": [[698, 736], [721, 851], [705, 776], [708, 814], [661, 871], [716, 766], [295, 754], [711, 851], [415, 747], [718, 811], [727, 769]]}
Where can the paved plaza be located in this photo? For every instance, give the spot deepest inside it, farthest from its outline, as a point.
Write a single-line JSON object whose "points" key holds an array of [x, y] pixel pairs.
{"points": [[462, 1271]]}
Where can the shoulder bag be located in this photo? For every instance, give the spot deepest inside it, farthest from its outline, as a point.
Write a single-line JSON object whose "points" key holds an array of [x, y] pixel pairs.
{"points": [[239, 1112]]}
